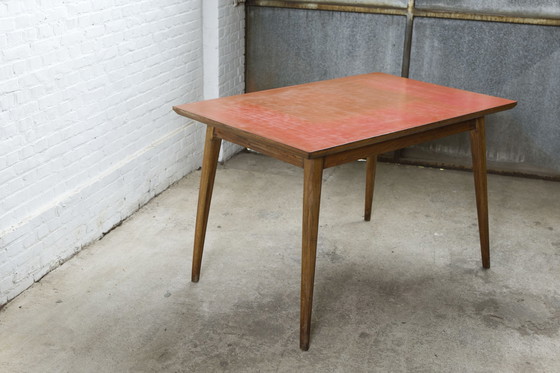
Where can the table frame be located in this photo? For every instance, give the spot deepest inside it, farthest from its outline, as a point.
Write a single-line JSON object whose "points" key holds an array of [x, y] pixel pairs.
{"points": [[313, 165]]}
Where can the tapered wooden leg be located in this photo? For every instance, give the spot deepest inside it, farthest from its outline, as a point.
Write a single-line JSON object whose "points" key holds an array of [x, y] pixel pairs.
{"points": [[478, 149], [312, 180], [209, 164], [371, 164]]}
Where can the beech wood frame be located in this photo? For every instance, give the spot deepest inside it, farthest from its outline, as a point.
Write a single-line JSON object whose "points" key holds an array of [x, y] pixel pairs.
{"points": [[313, 165]]}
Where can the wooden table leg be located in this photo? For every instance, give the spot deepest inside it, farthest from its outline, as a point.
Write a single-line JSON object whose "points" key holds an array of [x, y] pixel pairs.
{"points": [[312, 180], [478, 149], [209, 165], [371, 164]]}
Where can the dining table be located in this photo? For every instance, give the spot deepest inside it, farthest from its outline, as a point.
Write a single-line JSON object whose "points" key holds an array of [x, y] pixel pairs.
{"points": [[327, 123]]}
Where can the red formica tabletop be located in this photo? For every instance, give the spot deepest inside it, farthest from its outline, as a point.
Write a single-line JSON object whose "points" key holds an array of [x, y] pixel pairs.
{"points": [[323, 124], [324, 115]]}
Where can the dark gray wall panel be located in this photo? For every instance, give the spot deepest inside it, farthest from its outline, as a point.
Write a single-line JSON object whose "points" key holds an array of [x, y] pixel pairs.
{"points": [[523, 8], [389, 3], [520, 62], [292, 46]]}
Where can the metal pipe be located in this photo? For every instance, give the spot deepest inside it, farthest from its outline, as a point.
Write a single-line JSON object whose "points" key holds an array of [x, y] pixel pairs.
{"points": [[487, 17], [408, 39], [428, 13], [314, 5]]}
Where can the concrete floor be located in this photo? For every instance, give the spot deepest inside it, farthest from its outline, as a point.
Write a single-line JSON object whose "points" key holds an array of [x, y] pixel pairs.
{"points": [[402, 293]]}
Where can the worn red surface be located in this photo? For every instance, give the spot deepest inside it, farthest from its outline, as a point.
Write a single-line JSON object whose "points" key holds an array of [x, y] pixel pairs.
{"points": [[322, 115]]}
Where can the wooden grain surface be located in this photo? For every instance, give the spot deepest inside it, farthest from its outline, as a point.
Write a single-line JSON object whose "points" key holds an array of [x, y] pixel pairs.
{"points": [[317, 118], [323, 124]]}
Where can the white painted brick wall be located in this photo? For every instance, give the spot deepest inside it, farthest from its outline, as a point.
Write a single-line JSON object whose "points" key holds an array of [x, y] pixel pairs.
{"points": [[232, 48], [224, 55], [232, 57], [87, 134]]}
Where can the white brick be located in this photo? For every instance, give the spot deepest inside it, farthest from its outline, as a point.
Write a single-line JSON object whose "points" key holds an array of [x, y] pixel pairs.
{"points": [[7, 25], [87, 130], [7, 101]]}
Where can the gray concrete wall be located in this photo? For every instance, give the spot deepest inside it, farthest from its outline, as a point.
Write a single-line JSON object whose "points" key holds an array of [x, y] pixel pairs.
{"points": [[520, 62], [523, 8], [388, 3], [293, 46], [513, 60]]}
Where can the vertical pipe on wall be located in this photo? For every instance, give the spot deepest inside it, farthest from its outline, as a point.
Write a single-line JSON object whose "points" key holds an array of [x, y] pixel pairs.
{"points": [[408, 39], [405, 67]]}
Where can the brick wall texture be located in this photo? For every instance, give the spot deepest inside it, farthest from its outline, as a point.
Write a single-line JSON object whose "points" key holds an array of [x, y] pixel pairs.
{"points": [[231, 39], [87, 134]]}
